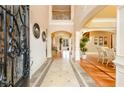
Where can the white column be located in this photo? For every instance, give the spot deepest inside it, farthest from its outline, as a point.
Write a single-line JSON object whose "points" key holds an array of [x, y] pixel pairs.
{"points": [[77, 46], [119, 61], [49, 47]]}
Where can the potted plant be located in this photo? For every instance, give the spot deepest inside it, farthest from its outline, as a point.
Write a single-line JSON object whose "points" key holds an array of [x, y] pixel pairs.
{"points": [[83, 48]]}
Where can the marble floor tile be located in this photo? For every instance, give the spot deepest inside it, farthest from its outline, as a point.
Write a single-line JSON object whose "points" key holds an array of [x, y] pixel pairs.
{"points": [[60, 74]]}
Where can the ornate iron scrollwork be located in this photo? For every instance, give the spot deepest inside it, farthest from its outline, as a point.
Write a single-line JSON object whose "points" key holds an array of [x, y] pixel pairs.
{"points": [[15, 65]]}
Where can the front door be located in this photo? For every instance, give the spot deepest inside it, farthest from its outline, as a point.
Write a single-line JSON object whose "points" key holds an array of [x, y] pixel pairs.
{"points": [[14, 45]]}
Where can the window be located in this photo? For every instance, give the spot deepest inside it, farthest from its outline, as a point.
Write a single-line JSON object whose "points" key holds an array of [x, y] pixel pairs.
{"points": [[61, 12]]}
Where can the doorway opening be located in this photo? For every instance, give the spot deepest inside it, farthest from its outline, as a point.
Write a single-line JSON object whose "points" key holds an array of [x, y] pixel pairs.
{"points": [[61, 44]]}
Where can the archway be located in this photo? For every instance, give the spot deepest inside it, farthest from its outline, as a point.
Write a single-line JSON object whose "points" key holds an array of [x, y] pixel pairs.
{"points": [[101, 29], [103, 25], [61, 42]]}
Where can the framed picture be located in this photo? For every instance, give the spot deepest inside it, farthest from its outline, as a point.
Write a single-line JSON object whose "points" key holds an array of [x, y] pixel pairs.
{"points": [[95, 40], [44, 36], [101, 41]]}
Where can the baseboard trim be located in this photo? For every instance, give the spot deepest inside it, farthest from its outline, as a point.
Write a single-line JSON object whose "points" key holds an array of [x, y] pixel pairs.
{"points": [[39, 75]]}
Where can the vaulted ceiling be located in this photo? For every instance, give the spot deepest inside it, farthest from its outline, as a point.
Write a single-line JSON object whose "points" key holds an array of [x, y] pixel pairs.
{"points": [[106, 18], [107, 12]]}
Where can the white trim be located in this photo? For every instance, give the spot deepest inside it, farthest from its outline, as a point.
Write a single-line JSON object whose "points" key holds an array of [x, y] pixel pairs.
{"points": [[84, 30], [61, 22]]}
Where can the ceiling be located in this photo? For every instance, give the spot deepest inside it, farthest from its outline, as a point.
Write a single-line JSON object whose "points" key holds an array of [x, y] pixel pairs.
{"points": [[107, 12], [106, 18]]}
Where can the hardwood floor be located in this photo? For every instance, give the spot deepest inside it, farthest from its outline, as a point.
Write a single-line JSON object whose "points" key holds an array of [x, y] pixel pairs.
{"points": [[103, 76]]}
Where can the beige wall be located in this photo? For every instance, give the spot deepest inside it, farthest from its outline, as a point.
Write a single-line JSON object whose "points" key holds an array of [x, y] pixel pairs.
{"points": [[38, 14], [55, 28]]}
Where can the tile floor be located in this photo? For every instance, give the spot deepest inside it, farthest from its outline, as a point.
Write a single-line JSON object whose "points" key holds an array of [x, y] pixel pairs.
{"points": [[60, 74]]}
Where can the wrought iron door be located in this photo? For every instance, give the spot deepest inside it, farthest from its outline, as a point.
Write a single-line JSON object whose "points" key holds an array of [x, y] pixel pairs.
{"points": [[14, 44]]}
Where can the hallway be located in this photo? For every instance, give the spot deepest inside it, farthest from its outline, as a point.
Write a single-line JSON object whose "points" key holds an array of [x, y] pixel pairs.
{"points": [[56, 47], [60, 74]]}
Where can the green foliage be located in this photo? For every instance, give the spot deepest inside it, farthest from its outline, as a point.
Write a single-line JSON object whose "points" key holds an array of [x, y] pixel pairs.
{"points": [[83, 43], [84, 39], [84, 49]]}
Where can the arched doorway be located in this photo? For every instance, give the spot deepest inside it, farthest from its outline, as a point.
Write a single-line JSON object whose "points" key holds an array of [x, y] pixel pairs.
{"points": [[101, 29], [61, 43]]}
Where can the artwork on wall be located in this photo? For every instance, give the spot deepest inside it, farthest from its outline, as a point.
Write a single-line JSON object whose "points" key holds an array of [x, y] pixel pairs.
{"points": [[36, 30], [65, 14], [96, 41], [101, 41], [44, 36]]}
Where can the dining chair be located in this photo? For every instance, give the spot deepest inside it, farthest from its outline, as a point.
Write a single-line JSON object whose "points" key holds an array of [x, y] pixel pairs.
{"points": [[109, 56], [100, 54]]}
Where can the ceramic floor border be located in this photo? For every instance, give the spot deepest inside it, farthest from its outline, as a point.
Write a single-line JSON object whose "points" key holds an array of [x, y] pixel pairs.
{"points": [[41, 77], [77, 76], [85, 78]]}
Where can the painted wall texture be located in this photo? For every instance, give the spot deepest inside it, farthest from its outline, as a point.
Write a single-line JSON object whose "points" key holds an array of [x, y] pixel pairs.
{"points": [[38, 14]]}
